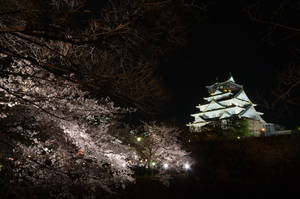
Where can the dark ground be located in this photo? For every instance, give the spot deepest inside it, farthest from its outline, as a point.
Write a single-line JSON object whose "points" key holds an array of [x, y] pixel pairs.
{"points": [[267, 166], [252, 167]]}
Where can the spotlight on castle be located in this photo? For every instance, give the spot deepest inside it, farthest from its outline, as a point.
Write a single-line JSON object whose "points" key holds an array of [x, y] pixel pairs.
{"points": [[228, 100]]}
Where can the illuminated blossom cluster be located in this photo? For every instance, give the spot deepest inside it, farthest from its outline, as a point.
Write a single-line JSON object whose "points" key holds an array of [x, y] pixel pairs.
{"points": [[66, 137], [161, 148], [78, 145]]}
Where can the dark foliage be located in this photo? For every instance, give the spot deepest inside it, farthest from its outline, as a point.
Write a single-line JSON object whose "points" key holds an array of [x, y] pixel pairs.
{"points": [[113, 48], [233, 128]]}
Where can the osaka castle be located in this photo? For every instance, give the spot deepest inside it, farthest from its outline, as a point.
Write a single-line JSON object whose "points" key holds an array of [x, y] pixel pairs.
{"points": [[227, 100]]}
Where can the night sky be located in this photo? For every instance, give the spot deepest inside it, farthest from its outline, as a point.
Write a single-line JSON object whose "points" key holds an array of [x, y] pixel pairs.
{"points": [[228, 42]]}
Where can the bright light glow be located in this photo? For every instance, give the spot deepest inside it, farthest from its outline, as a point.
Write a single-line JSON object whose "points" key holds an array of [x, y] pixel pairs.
{"points": [[238, 137], [166, 166], [263, 129], [153, 163], [139, 139], [187, 166]]}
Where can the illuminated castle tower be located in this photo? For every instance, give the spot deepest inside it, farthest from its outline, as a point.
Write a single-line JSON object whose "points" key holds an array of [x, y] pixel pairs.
{"points": [[227, 100]]}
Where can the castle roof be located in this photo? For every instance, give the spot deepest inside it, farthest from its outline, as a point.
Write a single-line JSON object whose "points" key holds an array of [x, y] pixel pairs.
{"points": [[217, 97], [218, 112], [251, 113], [224, 115], [228, 83], [242, 96], [227, 99]]}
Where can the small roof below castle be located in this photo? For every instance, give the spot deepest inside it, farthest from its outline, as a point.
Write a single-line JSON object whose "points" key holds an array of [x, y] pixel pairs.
{"points": [[225, 114], [197, 124], [251, 113], [198, 118]]}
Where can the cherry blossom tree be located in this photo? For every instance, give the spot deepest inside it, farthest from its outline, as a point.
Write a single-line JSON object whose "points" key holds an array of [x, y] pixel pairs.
{"points": [[64, 135], [159, 148], [57, 132], [103, 46], [76, 147]]}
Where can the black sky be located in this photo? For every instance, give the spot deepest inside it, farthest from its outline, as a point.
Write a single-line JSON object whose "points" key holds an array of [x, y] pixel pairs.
{"points": [[228, 42]]}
